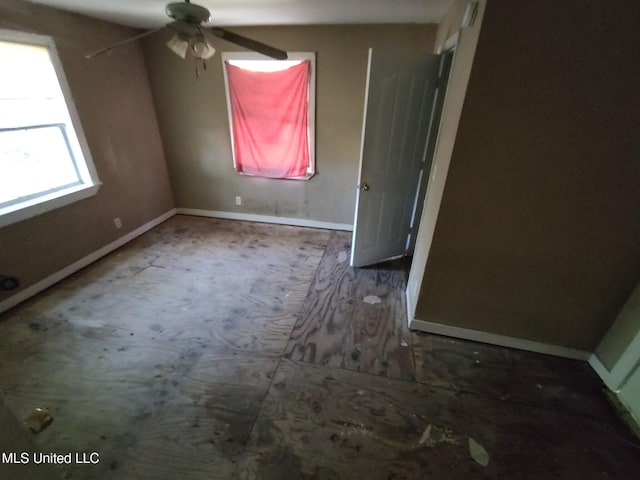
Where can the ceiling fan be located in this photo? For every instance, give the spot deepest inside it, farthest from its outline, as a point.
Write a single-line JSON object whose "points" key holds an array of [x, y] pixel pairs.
{"points": [[193, 38]]}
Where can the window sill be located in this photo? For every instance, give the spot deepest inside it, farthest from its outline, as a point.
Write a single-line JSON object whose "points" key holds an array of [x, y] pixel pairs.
{"points": [[40, 205], [306, 177]]}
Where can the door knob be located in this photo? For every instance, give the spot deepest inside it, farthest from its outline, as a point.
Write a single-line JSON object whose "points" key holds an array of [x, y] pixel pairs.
{"points": [[364, 186]]}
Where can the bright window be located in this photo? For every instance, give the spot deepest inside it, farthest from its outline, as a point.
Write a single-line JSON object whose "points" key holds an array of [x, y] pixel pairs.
{"points": [[43, 164], [271, 105]]}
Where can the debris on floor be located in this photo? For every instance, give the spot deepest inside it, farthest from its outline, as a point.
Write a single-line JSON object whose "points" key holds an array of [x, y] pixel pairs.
{"points": [[372, 299], [404, 343], [342, 257], [38, 420], [478, 453], [435, 435]]}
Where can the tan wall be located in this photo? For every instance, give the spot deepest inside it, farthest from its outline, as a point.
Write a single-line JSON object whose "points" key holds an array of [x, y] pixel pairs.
{"points": [[115, 107], [538, 232], [451, 112], [193, 118]]}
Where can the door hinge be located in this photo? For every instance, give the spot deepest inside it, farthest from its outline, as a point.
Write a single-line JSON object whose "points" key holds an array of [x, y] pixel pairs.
{"points": [[470, 15]]}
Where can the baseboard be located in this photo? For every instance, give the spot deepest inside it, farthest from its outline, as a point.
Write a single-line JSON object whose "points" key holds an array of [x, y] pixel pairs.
{"points": [[250, 217], [411, 305], [54, 278], [631, 418], [603, 372], [502, 340]]}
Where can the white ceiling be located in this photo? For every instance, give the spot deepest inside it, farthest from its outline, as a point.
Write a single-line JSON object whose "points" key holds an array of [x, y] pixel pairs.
{"points": [[150, 13]]}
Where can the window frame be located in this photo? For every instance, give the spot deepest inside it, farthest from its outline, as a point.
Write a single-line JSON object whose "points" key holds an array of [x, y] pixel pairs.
{"points": [[58, 197], [291, 56]]}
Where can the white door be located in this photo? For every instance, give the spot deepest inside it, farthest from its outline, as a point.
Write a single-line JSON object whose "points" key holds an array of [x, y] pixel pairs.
{"points": [[399, 100]]}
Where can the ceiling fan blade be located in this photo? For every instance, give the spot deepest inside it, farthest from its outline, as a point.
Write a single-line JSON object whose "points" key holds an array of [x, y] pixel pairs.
{"points": [[250, 44], [123, 42]]}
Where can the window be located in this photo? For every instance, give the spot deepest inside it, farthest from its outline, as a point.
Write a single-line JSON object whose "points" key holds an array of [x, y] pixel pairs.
{"points": [[44, 160], [271, 105]]}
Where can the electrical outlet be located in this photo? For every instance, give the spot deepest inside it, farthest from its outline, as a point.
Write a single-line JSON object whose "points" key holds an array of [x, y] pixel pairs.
{"points": [[238, 200], [117, 222]]}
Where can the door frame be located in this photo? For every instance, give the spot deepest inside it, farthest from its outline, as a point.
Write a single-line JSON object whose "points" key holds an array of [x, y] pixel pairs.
{"points": [[467, 42], [449, 48]]}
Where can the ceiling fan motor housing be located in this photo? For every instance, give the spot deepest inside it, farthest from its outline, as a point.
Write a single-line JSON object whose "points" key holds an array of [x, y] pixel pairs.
{"points": [[187, 12]]}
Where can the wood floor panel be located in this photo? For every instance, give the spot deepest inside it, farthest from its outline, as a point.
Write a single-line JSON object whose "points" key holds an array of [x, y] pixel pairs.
{"points": [[249, 303], [199, 307], [173, 448], [318, 422], [510, 375], [354, 317], [225, 244], [204, 424], [135, 401], [128, 354], [96, 390]]}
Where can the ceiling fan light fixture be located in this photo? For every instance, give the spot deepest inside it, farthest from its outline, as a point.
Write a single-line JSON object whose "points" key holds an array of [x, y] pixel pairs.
{"points": [[201, 48], [192, 37], [178, 45]]}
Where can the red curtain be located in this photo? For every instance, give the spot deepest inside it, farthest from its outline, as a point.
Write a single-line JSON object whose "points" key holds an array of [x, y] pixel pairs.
{"points": [[270, 120]]}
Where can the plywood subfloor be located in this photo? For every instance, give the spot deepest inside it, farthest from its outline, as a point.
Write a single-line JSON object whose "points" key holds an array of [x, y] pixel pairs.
{"points": [[220, 349], [354, 318], [335, 423]]}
